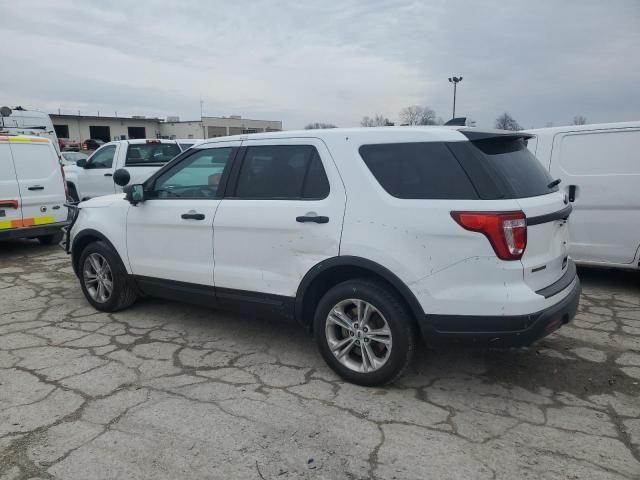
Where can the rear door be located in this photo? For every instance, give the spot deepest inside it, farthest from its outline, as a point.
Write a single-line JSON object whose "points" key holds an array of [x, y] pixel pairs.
{"points": [[10, 214], [40, 181], [602, 170], [282, 216]]}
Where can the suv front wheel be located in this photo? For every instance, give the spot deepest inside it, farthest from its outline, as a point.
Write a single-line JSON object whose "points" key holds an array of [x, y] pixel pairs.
{"points": [[364, 332], [103, 278]]}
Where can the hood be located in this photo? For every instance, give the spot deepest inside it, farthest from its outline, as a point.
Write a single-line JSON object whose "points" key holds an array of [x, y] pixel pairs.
{"points": [[103, 201]]}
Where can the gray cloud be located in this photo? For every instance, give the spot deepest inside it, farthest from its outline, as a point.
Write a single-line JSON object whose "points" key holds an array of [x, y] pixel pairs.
{"points": [[299, 61]]}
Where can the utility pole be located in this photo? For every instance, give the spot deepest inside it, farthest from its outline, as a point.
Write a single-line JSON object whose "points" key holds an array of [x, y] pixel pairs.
{"points": [[204, 135], [455, 81]]}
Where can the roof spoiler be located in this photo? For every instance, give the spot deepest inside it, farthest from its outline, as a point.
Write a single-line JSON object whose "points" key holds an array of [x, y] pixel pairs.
{"points": [[456, 122], [475, 134]]}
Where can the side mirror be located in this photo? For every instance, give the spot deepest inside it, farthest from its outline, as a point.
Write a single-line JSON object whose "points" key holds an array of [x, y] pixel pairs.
{"points": [[134, 193], [121, 177], [82, 163]]}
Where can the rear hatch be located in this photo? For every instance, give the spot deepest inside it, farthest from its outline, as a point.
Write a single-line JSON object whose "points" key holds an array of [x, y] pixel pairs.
{"points": [[503, 168]]}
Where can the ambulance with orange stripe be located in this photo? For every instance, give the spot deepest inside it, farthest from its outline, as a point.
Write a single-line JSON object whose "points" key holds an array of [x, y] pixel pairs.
{"points": [[32, 189]]}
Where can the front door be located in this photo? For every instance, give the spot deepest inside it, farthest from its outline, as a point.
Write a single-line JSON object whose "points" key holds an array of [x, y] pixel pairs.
{"points": [[97, 178], [282, 215], [170, 234]]}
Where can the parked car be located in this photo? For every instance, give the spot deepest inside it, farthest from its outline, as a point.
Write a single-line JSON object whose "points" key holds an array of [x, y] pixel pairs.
{"points": [[70, 158], [599, 168], [363, 236], [92, 144], [32, 189], [67, 145], [94, 176]]}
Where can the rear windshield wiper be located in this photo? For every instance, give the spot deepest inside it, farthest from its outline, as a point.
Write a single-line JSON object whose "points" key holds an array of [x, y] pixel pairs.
{"points": [[554, 183]]}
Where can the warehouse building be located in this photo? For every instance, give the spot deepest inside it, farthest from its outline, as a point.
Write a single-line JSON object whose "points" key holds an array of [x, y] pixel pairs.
{"points": [[83, 127]]}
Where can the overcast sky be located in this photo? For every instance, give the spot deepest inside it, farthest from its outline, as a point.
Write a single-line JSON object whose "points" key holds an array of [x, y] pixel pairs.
{"points": [[304, 61]]}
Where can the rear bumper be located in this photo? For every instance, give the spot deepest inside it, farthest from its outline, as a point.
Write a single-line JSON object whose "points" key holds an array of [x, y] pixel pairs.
{"points": [[32, 232], [501, 331]]}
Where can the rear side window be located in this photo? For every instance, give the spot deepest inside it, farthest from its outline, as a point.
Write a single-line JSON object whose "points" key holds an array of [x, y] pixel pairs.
{"points": [[418, 170], [282, 172], [143, 153], [503, 168]]}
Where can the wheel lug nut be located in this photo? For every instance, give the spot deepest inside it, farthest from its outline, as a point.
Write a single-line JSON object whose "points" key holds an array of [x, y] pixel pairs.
{"points": [[351, 333], [365, 329], [355, 325], [366, 340]]}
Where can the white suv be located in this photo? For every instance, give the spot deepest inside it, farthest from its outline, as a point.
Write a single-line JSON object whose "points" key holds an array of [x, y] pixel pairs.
{"points": [[366, 237]]}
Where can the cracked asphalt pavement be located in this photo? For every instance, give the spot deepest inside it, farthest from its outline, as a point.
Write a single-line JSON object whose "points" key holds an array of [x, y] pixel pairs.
{"points": [[167, 390]]}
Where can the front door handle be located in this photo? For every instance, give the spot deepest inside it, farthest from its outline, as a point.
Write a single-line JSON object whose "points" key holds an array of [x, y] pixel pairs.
{"points": [[108, 174], [572, 193], [312, 218], [36, 187], [193, 216]]}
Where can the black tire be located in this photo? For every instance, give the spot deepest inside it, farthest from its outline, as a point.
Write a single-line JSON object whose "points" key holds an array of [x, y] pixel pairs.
{"points": [[397, 316], [50, 239], [123, 293], [73, 193]]}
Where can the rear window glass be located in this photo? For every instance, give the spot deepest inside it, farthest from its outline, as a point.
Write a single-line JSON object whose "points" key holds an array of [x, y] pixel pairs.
{"points": [[282, 172], [142, 153], [503, 168], [418, 170]]}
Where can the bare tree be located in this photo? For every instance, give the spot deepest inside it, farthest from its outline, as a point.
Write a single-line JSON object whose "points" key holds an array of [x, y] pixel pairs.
{"points": [[507, 122], [579, 120], [411, 115], [318, 125], [417, 115], [377, 121]]}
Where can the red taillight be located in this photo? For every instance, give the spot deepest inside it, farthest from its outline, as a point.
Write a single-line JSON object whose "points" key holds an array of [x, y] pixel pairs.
{"points": [[506, 231]]}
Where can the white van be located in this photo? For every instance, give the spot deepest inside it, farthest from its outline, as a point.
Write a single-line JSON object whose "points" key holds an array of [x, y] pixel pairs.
{"points": [[599, 166], [19, 121], [32, 189]]}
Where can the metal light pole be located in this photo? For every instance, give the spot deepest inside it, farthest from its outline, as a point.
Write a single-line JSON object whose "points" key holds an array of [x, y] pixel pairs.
{"points": [[455, 81]]}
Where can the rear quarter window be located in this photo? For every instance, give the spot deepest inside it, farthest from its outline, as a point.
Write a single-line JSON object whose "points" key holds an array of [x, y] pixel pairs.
{"points": [[425, 170]]}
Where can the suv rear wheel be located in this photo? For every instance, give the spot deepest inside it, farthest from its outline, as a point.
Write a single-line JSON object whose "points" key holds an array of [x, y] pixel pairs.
{"points": [[103, 278], [364, 332]]}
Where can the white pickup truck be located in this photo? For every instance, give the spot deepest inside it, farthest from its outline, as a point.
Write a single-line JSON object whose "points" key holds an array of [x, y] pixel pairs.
{"points": [[94, 177]]}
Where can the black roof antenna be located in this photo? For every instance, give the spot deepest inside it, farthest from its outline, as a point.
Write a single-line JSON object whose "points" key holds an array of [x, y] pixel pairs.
{"points": [[458, 122]]}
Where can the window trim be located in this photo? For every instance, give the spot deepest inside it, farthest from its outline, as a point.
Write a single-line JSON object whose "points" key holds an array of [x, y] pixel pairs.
{"points": [[149, 184], [234, 176]]}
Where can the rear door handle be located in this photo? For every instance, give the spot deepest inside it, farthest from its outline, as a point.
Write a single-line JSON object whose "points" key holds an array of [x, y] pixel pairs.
{"points": [[36, 187], [312, 218], [108, 174], [572, 193], [193, 216]]}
